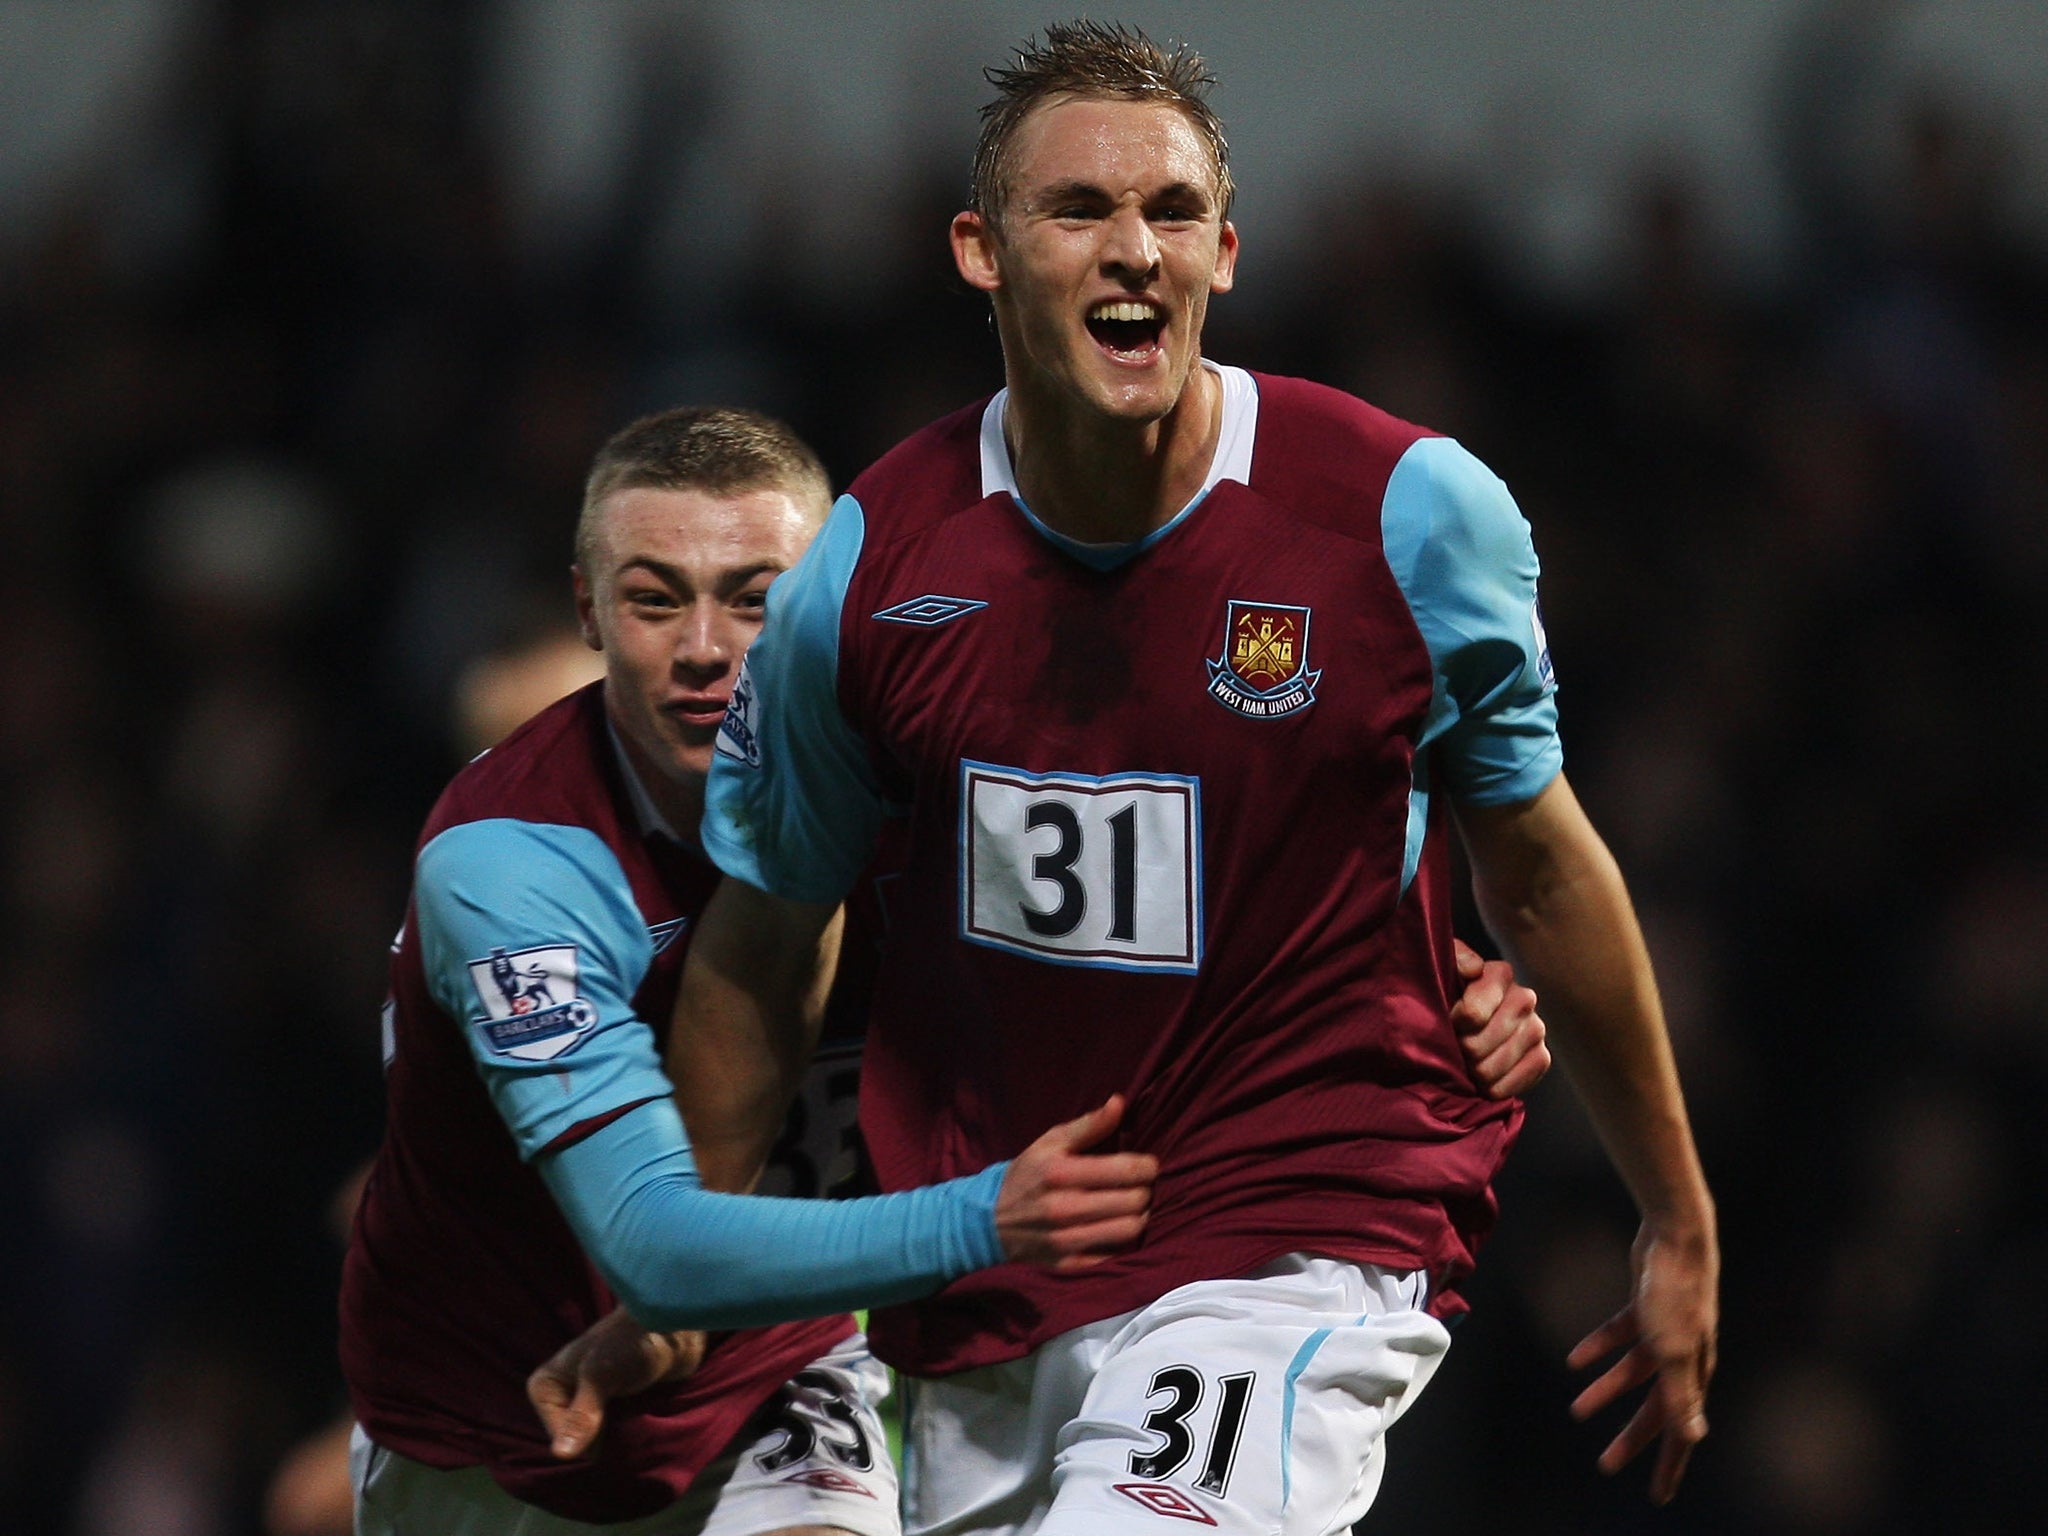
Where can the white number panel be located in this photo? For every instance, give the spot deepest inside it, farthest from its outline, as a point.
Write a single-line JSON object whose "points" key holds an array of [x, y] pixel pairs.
{"points": [[1081, 870]]}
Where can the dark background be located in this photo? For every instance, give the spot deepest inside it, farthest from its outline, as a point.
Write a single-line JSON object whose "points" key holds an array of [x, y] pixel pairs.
{"points": [[294, 408]]}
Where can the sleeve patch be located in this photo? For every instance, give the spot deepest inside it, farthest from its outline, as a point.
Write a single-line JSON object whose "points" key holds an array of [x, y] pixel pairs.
{"points": [[1544, 670], [738, 734], [532, 1009]]}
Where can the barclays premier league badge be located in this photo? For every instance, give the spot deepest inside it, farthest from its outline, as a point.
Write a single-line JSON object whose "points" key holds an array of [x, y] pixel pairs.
{"points": [[531, 1010], [736, 736], [1263, 672]]}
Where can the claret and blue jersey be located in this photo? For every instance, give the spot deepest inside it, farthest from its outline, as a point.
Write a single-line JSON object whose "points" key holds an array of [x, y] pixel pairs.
{"points": [[1174, 827], [555, 927], [534, 1170]]}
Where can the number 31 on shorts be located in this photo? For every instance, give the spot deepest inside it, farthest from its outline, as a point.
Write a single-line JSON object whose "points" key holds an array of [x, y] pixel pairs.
{"points": [[1080, 870]]}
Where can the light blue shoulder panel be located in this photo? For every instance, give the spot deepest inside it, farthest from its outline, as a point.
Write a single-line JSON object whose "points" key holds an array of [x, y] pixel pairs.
{"points": [[792, 805], [532, 942], [1461, 552]]}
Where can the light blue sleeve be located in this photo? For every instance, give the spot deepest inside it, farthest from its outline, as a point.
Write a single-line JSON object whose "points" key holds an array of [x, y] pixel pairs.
{"points": [[1461, 552], [792, 805], [533, 944], [680, 1256]]}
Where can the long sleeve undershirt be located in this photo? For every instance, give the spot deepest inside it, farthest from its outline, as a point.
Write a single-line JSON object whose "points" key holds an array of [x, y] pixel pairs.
{"points": [[681, 1256]]}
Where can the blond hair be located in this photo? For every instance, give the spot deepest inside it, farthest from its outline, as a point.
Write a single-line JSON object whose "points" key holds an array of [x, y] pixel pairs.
{"points": [[1091, 59], [702, 448]]}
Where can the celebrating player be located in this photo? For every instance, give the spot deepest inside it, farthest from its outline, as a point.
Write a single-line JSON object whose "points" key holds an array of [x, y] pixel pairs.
{"points": [[558, 879], [1177, 676], [534, 1167]]}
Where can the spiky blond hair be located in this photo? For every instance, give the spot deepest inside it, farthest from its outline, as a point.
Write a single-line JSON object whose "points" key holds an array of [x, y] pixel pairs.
{"points": [[1092, 59]]}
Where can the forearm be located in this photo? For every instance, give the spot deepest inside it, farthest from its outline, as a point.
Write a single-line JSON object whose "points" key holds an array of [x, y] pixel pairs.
{"points": [[680, 1256], [1551, 894], [737, 1050]]}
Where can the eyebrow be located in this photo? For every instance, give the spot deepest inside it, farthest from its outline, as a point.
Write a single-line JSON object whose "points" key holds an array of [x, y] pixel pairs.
{"points": [[728, 581], [1185, 192], [1088, 191], [1059, 191]]}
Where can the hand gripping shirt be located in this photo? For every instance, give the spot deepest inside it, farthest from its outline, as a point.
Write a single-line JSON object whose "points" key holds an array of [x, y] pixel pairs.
{"points": [[1175, 828], [535, 972]]}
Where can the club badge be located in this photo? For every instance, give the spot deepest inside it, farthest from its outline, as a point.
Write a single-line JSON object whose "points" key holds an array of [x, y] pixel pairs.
{"points": [[1263, 672]]}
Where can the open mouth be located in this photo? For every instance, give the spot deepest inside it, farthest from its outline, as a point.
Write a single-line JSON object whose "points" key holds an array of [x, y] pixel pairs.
{"points": [[1128, 329]]}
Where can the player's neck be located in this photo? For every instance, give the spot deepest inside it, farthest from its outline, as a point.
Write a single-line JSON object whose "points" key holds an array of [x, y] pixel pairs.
{"points": [[1104, 481], [682, 807], [678, 802]]}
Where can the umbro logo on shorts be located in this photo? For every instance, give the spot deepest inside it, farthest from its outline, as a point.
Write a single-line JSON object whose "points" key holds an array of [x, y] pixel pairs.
{"points": [[838, 1482], [1165, 1499]]}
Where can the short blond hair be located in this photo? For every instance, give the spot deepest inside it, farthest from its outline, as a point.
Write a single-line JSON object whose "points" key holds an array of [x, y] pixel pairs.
{"points": [[1090, 59], [702, 448]]}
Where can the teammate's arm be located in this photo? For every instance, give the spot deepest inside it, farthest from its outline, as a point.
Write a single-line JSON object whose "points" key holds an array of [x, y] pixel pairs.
{"points": [[746, 1019], [681, 1256], [1552, 895], [735, 1077]]}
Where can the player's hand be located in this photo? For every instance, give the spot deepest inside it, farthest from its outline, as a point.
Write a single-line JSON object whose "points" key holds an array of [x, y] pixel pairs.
{"points": [[614, 1358], [1668, 1334], [1068, 1208], [1497, 1024]]}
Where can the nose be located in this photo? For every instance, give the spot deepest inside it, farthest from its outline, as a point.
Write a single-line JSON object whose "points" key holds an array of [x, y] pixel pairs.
{"points": [[1129, 247], [704, 648]]}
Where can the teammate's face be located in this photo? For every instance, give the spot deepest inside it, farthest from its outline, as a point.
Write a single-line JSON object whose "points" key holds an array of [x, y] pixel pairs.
{"points": [[1102, 262], [674, 601]]}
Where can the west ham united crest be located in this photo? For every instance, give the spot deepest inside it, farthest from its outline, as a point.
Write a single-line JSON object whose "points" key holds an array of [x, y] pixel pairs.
{"points": [[1263, 672]]}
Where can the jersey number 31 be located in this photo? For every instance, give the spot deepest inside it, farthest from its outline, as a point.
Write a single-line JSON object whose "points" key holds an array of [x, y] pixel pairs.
{"points": [[1081, 870]]}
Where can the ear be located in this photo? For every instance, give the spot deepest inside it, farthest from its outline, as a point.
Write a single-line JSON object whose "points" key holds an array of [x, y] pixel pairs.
{"points": [[974, 251], [1225, 275], [586, 608]]}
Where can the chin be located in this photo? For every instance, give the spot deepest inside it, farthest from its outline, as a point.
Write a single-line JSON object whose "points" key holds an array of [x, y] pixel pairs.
{"points": [[688, 767], [1127, 400], [683, 764], [1151, 391]]}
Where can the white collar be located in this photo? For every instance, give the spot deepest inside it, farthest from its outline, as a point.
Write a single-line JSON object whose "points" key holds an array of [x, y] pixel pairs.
{"points": [[1232, 459]]}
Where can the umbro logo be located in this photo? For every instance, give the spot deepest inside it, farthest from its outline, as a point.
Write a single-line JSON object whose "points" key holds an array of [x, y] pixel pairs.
{"points": [[1165, 1499], [930, 609], [835, 1482]]}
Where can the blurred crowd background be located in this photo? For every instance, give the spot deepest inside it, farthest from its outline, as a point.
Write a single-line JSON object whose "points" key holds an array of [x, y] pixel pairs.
{"points": [[310, 325]]}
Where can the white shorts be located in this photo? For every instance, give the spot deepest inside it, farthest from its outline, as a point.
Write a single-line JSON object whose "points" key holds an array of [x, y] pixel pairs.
{"points": [[822, 1460], [1257, 1406]]}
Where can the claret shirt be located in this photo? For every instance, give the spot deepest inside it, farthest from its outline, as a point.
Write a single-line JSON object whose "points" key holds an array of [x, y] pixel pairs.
{"points": [[530, 989], [1174, 824]]}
